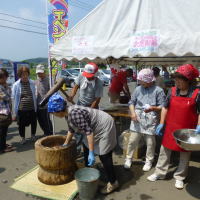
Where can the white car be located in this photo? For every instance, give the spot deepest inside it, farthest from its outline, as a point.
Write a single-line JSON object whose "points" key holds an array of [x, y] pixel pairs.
{"points": [[105, 76], [80, 70], [105, 72]]}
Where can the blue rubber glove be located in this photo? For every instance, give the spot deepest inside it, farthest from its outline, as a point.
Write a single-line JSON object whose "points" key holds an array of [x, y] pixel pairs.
{"points": [[64, 145], [159, 129], [91, 158], [197, 129]]}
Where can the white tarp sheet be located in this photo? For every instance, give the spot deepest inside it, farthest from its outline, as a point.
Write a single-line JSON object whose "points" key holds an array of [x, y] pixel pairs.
{"points": [[131, 28]]}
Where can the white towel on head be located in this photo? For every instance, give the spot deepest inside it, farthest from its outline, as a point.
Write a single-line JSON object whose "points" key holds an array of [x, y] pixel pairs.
{"points": [[86, 83]]}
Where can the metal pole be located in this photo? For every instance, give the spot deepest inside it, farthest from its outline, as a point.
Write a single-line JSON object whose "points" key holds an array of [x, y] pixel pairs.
{"points": [[49, 65]]}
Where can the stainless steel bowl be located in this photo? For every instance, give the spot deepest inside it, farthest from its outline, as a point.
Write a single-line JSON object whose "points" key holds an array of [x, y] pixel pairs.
{"points": [[187, 139]]}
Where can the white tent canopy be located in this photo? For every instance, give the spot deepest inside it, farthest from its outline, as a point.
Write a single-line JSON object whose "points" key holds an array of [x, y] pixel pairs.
{"points": [[131, 29]]}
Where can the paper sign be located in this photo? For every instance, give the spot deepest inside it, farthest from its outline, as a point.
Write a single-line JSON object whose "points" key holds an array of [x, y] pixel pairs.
{"points": [[144, 42], [82, 45]]}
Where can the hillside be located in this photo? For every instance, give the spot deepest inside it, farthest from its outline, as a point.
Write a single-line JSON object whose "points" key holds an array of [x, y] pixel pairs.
{"points": [[37, 60]]}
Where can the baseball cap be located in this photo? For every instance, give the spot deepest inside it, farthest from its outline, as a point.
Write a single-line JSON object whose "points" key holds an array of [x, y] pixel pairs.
{"points": [[90, 70], [40, 69]]}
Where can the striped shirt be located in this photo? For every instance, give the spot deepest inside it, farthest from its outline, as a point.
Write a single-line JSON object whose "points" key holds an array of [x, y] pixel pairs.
{"points": [[26, 101]]}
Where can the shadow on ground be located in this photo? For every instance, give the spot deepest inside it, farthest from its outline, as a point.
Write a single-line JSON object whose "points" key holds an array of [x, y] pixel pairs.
{"points": [[2, 169], [29, 145], [193, 182], [125, 177], [35, 197]]}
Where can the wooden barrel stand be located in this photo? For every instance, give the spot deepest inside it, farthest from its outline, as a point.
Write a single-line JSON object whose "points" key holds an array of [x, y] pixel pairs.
{"points": [[57, 164]]}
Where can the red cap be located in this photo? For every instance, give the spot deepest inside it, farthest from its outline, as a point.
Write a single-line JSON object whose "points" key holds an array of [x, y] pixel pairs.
{"points": [[189, 71], [90, 70]]}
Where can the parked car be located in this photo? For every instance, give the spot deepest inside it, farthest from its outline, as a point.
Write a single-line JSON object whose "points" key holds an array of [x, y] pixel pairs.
{"points": [[105, 72], [70, 75], [11, 78], [106, 80], [80, 70], [105, 76], [8, 66]]}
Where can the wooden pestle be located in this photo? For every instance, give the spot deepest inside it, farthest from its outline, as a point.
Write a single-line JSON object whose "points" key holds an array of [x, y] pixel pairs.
{"points": [[55, 88]]}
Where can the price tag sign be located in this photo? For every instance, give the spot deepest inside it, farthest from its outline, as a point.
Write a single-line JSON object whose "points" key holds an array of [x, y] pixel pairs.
{"points": [[82, 45]]}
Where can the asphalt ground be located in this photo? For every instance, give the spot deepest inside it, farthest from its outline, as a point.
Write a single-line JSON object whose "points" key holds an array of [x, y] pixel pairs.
{"points": [[133, 183]]}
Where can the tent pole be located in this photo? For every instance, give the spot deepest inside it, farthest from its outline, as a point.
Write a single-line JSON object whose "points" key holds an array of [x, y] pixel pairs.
{"points": [[49, 65]]}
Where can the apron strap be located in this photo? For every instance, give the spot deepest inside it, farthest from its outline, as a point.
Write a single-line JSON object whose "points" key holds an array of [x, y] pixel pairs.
{"points": [[195, 93], [173, 91]]}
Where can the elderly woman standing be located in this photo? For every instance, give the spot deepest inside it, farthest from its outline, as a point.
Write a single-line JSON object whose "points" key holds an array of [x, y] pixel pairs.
{"points": [[23, 93], [5, 111], [145, 105], [98, 130], [181, 110]]}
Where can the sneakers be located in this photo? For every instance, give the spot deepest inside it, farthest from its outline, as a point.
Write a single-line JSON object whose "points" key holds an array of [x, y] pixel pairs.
{"points": [[110, 187], [155, 177], [127, 164], [179, 184], [23, 140], [147, 166]]}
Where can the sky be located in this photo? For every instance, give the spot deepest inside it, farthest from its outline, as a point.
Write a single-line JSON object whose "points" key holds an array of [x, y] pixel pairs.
{"points": [[18, 45]]}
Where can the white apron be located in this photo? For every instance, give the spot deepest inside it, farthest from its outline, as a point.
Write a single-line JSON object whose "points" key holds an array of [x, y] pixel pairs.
{"points": [[146, 123]]}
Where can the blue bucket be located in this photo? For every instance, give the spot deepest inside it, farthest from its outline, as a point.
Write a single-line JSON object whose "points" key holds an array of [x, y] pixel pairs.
{"points": [[87, 181]]}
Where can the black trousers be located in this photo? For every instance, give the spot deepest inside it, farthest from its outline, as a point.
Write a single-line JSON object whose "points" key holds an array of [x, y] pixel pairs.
{"points": [[44, 121], [3, 134], [26, 118], [107, 162]]}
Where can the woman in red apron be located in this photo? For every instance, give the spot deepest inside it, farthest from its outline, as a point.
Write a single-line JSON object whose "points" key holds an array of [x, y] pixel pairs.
{"points": [[181, 110]]}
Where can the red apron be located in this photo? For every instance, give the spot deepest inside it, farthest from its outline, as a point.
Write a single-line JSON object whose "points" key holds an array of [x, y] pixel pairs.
{"points": [[181, 114]]}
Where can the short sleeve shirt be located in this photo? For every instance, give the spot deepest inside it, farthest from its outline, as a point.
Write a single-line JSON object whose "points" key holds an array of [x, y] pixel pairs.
{"points": [[189, 94], [153, 96], [90, 93]]}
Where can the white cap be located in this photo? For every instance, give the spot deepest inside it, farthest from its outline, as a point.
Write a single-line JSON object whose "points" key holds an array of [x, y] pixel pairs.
{"points": [[40, 69], [90, 70]]}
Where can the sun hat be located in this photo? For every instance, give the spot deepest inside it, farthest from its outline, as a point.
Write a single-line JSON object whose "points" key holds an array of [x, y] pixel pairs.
{"points": [[56, 103], [40, 69], [188, 71], [146, 75], [90, 70]]}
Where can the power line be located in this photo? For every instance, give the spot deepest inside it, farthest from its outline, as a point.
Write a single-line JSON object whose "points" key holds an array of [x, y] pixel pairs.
{"points": [[78, 4], [20, 29], [22, 18], [83, 8], [86, 5], [21, 23]]}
